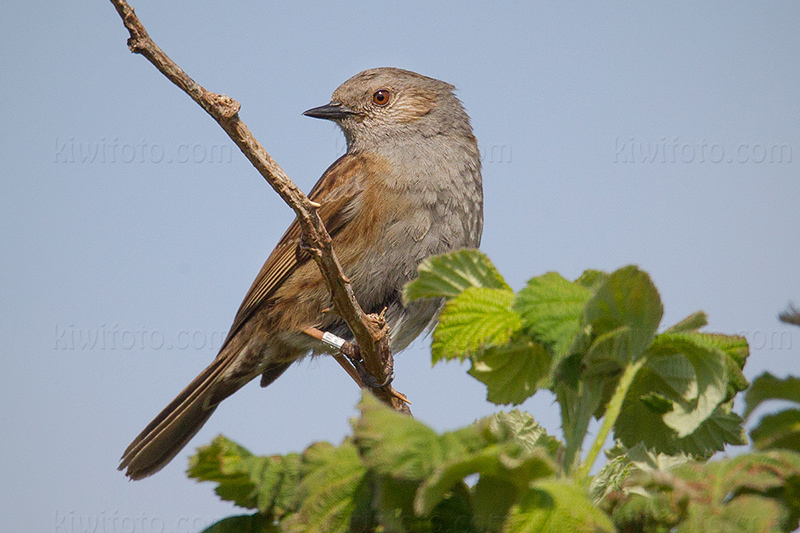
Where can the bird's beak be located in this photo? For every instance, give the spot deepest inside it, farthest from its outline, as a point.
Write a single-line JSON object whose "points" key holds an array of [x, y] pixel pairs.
{"points": [[331, 111]]}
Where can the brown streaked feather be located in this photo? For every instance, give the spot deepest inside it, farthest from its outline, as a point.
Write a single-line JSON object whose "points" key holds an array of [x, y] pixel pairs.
{"points": [[175, 424], [239, 358], [336, 190]]}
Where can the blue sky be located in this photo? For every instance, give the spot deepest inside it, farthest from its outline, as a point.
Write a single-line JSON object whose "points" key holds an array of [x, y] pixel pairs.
{"points": [[665, 135]]}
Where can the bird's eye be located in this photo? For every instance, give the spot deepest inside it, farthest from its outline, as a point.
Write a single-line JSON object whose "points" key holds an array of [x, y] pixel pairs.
{"points": [[381, 97]]}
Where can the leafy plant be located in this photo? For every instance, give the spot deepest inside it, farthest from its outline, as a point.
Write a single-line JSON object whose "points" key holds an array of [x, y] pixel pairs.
{"points": [[666, 396]]}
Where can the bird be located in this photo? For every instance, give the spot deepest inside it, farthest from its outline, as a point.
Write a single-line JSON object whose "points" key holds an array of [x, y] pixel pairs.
{"points": [[408, 187]]}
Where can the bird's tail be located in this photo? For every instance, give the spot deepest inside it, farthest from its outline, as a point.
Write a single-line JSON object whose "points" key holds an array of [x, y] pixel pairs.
{"points": [[175, 425]]}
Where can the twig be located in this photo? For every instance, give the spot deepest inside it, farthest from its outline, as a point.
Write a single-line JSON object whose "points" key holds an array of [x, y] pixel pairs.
{"points": [[369, 330]]}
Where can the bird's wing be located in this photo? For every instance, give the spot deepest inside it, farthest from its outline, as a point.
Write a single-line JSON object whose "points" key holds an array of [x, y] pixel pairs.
{"points": [[337, 191]]}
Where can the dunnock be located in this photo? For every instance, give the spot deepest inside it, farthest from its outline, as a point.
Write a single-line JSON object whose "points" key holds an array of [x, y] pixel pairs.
{"points": [[408, 187]]}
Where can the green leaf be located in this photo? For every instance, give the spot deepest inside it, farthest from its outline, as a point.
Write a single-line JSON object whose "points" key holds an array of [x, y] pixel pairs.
{"points": [[556, 506], [628, 299], [779, 430], [507, 462], [248, 523], [551, 308], [454, 513], [750, 492], [751, 513], [510, 447], [395, 507], [592, 279], [737, 350], [767, 387], [332, 487], [674, 403], [519, 427], [721, 428], [608, 354], [449, 274], [475, 319], [706, 391], [734, 346], [512, 372], [611, 476], [623, 488], [397, 445], [492, 497], [264, 483], [692, 322], [638, 422]]}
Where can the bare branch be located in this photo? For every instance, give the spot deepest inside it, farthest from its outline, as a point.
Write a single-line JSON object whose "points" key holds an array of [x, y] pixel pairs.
{"points": [[370, 331]]}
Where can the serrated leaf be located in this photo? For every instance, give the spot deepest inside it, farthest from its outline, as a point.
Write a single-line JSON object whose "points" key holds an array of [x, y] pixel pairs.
{"points": [[551, 309], [633, 511], [396, 445], [745, 493], [334, 479], [264, 483], [512, 372], [610, 477], [504, 461], [751, 513], [639, 423], [737, 350], [475, 319], [734, 346], [623, 472], [647, 460], [779, 430], [447, 275], [721, 428], [508, 445], [556, 506], [750, 492], [629, 299], [521, 428], [690, 371], [767, 387], [623, 489], [710, 381]]}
